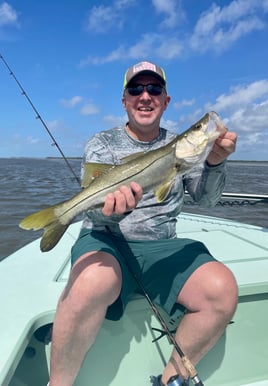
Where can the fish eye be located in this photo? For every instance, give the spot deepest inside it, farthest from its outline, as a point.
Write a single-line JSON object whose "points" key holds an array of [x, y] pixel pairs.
{"points": [[198, 126]]}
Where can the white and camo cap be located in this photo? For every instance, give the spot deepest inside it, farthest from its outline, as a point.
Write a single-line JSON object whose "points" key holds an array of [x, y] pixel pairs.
{"points": [[145, 68]]}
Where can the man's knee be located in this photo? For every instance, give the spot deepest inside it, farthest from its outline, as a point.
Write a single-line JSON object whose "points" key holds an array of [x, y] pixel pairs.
{"points": [[212, 286], [95, 276], [222, 290]]}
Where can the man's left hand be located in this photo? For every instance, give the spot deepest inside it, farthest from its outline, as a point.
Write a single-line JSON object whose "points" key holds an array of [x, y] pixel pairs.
{"points": [[222, 148]]}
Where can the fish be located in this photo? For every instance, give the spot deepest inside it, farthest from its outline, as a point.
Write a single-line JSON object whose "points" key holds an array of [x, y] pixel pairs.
{"points": [[154, 170]]}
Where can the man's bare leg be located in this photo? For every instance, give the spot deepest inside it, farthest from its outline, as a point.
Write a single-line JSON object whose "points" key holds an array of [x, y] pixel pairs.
{"points": [[94, 284], [210, 296]]}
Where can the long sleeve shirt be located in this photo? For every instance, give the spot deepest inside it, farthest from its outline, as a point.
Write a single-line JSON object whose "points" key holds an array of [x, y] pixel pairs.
{"points": [[150, 219]]}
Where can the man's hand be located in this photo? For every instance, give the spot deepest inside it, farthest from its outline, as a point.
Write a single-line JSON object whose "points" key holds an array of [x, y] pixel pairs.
{"points": [[222, 148], [122, 200]]}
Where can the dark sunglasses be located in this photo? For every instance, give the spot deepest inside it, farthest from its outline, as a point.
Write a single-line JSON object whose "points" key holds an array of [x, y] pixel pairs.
{"points": [[152, 89]]}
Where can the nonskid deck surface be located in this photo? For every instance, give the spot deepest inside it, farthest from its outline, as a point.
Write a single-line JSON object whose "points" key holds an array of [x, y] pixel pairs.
{"points": [[31, 283]]}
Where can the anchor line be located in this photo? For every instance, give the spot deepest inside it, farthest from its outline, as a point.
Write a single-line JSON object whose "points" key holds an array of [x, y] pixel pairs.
{"points": [[38, 116]]}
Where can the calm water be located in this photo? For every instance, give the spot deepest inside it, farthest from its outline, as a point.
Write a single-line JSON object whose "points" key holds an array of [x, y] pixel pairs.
{"points": [[28, 185]]}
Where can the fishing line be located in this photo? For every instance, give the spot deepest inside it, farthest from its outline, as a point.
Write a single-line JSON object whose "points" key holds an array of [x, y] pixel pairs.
{"points": [[185, 360], [38, 116]]}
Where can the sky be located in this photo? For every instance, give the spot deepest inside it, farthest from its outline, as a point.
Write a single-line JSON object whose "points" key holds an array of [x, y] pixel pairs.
{"points": [[70, 57]]}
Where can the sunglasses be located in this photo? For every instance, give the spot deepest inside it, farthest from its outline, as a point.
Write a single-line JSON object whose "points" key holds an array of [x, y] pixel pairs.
{"points": [[138, 89]]}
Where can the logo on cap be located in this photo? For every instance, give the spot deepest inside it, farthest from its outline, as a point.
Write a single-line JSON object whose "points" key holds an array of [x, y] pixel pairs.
{"points": [[143, 66]]}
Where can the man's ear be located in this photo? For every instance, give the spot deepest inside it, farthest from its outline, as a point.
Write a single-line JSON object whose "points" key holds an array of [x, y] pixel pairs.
{"points": [[167, 101], [124, 102]]}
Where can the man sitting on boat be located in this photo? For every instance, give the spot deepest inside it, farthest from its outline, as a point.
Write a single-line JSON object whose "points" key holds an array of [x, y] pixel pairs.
{"points": [[135, 229]]}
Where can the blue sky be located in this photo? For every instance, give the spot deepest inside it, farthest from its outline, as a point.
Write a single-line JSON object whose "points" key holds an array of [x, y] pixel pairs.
{"points": [[70, 56]]}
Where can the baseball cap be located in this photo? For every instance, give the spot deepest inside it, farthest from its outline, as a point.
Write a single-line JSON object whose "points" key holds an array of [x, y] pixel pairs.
{"points": [[144, 68]]}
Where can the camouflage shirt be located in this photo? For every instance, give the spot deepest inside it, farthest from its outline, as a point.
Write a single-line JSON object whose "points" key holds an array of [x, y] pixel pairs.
{"points": [[149, 220]]}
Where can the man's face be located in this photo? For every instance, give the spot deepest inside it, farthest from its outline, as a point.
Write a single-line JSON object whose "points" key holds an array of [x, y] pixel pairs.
{"points": [[145, 110]]}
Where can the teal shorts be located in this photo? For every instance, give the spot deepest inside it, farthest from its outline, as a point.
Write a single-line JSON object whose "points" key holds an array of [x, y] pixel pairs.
{"points": [[161, 266]]}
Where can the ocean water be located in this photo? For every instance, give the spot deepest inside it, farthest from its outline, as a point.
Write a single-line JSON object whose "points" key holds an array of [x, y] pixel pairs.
{"points": [[28, 185]]}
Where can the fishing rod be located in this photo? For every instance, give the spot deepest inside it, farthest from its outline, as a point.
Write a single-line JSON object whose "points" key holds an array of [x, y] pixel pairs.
{"points": [[38, 116], [174, 380], [185, 360]]}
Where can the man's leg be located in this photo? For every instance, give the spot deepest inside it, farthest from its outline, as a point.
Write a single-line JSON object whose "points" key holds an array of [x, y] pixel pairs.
{"points": [[94, 283], [210, 297]]}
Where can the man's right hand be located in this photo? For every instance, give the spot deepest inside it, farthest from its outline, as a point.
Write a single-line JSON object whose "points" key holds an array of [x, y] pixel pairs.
{"points": [[122, 200]]}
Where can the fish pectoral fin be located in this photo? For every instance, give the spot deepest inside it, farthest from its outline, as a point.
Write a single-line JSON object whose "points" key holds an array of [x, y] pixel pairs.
{"points": [[52, 235], [93, 170], [163, 190]]}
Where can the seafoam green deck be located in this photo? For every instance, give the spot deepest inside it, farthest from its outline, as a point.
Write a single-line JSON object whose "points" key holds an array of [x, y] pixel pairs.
{"points": [[31, 283]]}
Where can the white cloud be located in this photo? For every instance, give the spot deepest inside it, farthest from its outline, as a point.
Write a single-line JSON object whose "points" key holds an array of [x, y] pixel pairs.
{"points": [[186, 120], [32, 140], [240, 96], [169, 48], [8, 15], [169, 125], [89, 109], [102, 18], [251, 119], [72, 102], [172, 11], [159, 45], [56, 125], [217, 28], [113, 120], [184, 103], [124, 4], [245, 112]]}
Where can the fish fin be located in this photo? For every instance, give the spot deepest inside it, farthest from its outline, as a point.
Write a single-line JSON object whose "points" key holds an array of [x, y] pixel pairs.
{"points": [[52, 235], [39, 220], [47, 219], [93, 170], [163, 190]]}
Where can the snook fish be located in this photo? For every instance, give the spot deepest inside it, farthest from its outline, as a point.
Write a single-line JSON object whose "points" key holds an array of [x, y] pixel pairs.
{"points": [[153, 170]]}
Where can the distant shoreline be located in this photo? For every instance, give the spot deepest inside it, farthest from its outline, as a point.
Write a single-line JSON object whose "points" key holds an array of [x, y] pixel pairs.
{"points": [[76, 158]]}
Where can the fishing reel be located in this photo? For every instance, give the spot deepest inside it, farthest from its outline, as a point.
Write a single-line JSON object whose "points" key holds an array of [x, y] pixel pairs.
{"points": [[176, 380]]}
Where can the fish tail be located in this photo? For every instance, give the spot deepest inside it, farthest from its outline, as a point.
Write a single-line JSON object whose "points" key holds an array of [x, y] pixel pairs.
{"points": [[48, 220], [52, 235], [39, 220]]}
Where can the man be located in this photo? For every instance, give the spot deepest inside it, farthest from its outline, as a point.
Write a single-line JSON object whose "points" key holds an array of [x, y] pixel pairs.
{"points": [[130, 223]]}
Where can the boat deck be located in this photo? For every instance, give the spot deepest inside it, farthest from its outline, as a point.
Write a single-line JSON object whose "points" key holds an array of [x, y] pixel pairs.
{"points": [[31, 283]]}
